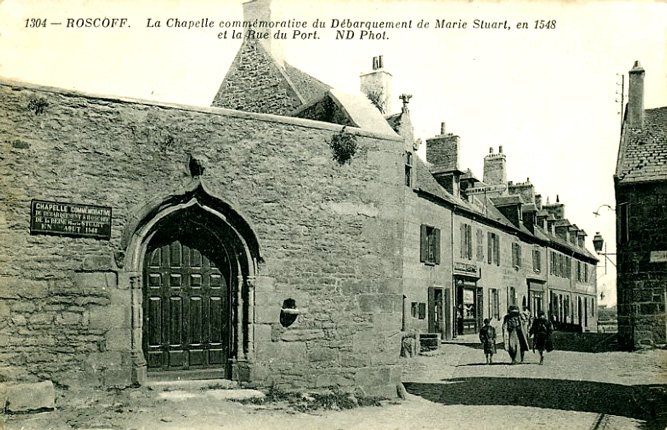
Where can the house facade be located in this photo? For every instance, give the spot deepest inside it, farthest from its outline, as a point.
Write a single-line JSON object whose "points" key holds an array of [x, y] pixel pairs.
{"points": [[640, 184]]}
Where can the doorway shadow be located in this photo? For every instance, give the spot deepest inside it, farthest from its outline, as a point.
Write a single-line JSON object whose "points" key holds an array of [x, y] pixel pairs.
{"points": [[642, 402]]}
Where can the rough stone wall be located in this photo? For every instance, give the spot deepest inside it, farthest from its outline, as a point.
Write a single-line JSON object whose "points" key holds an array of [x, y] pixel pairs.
{"points": [[330, 236], [641, 283], [255, 83]]}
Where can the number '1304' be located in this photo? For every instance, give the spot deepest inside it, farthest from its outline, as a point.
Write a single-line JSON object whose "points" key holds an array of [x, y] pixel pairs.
{"points": [[35, 22]]}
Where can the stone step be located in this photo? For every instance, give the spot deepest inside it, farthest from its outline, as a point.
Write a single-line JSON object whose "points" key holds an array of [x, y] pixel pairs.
{"points": [[237, 394], [193, 385]]}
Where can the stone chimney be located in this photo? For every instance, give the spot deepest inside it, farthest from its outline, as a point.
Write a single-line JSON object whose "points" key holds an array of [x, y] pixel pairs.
{"points": [[443, 153], [581, 239], [495, 171], [376, 84], [635, 109], [261, 10], [525, 189], [443, 150]]}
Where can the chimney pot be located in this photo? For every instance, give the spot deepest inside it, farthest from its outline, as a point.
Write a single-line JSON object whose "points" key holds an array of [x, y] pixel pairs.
{"points": [[491, 150], [500, 149], [442, 128]]}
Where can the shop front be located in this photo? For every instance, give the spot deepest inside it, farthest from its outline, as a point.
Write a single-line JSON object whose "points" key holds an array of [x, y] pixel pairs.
{"points": [[469, 302]]}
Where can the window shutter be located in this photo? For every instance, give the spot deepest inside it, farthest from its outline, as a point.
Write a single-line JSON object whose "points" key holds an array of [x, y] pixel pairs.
{"points": [[469, 236], [423, 251], [463, 239], [497, 250], [489, 247], [518, 254], [437, 246]]}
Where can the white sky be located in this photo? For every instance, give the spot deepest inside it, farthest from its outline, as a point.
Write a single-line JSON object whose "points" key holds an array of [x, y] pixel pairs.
{"points": [[546, 96]]}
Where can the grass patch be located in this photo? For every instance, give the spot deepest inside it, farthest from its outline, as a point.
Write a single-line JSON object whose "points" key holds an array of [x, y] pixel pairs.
{"points": [[332, 399]]}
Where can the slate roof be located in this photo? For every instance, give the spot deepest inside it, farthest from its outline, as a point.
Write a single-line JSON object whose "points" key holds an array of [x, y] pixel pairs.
{"points": [[642, 155], [307, 86]]}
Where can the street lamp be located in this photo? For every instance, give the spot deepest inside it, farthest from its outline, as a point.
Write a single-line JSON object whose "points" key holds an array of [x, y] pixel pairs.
{"points": [[599, 244]]}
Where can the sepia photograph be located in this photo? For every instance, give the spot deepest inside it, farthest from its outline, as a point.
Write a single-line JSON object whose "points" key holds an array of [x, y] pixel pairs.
{"points": [[373, 214]]}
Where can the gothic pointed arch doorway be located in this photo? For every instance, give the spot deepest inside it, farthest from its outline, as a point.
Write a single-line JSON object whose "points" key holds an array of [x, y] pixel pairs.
{"points": [[189, 276], [192, 260]]}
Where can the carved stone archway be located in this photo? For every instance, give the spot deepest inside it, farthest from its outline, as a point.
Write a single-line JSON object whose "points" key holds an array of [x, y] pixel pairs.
{"points": [[218, 219]]}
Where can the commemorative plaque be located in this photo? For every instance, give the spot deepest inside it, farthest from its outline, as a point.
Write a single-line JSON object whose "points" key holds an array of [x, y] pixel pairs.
{"points": [[70, 219]]}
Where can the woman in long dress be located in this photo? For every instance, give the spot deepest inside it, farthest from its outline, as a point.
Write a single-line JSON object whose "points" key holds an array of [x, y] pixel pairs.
{"points": [[514, 337]]}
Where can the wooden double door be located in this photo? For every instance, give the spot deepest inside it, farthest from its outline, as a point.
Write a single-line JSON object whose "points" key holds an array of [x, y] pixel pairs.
{"points": [[187, 318]]}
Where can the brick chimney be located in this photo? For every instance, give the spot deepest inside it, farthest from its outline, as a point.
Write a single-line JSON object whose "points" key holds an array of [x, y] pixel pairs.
{"points": [[261, 10], [495, 171], [635, 110], [376, 84]]}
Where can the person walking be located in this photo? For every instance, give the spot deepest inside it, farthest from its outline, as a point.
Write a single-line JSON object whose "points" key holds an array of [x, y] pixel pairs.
{"points": [[541, 331], [487, 335], [514, 337]]}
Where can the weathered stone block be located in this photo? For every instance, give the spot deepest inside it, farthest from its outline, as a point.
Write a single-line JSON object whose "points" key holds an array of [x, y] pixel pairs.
{"points": [[98, 263], [322, 354], [95, 283], [264, 283], [117, 377], [110, 317], [31, 397], [118, 339], [380, 302], [68, 318], [281, 352], [104, 360], [263, 332], [267, 314], [334, 380], [297, 335]]}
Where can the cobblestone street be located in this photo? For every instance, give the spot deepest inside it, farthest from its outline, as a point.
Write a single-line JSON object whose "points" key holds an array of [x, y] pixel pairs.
{"points": [[449, 388]]}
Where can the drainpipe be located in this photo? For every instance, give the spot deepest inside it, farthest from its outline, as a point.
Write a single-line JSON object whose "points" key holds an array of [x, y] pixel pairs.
{"points": [[453, 283]]}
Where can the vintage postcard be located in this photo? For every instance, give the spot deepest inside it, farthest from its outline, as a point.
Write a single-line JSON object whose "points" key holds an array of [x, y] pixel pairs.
{"points": [[346, 214]]}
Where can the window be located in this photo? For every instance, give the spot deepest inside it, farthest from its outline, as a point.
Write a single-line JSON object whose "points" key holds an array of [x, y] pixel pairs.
{"points": [[493, 248], [430, 245], [466, 241], [422, 311], [537, 261], [494, 304], [408, 169], [480, 245], [582, 272], [414, 309], [516, 255], [512, 296], [561, 265]]}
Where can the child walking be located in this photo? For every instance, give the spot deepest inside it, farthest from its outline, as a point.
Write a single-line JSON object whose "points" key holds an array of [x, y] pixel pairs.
{"points": [[542, 330], [487, 335]]}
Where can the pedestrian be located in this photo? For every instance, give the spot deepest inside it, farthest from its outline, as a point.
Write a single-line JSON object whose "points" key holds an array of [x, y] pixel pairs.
{"points": [[526, 320], [487, 335], [514, 337], [541, 332]]}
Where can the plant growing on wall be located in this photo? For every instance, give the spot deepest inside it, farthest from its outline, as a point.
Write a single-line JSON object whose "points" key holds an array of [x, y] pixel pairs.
{"points": [[343, 145], [377, 98]]}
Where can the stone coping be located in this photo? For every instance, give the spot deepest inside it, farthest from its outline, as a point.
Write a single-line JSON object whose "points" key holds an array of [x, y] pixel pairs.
{"points": [[300, 122]]}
